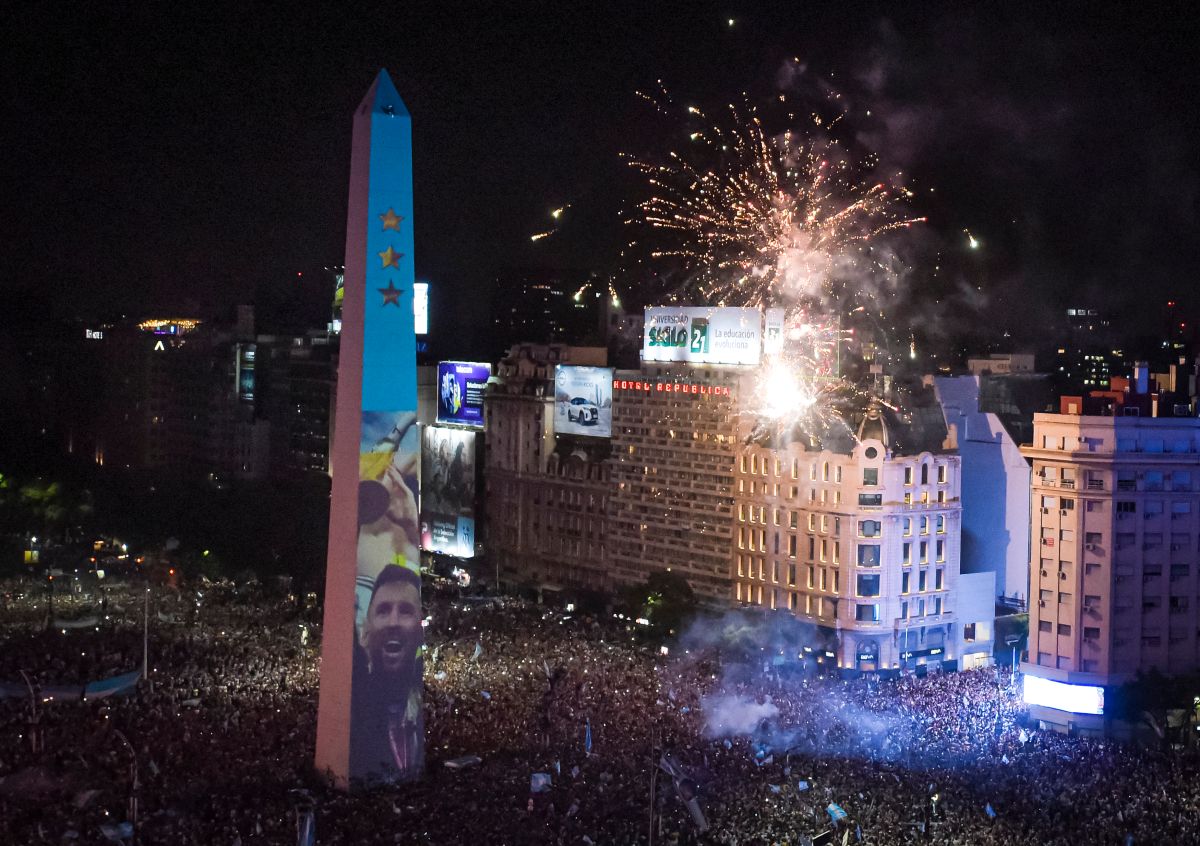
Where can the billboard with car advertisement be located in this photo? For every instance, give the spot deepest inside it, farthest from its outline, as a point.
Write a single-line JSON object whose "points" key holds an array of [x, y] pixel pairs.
{"points": [[583, 401]]}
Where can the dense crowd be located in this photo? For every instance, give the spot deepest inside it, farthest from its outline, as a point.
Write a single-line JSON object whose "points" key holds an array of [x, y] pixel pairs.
{"points": [[223, 735]]}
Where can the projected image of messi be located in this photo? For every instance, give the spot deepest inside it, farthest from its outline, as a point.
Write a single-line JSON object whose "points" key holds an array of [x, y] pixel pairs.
{"points": [[387, 732]]}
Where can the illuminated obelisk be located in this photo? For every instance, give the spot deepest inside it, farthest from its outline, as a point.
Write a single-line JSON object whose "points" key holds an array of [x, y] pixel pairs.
{"points": [[369, 725]]}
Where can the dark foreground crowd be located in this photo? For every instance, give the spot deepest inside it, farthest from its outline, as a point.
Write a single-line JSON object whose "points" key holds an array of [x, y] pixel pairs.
{"points": [[223, 736]]}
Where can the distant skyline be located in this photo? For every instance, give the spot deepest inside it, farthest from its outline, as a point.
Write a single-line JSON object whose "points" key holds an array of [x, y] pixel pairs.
{"points": [[201, 159]]}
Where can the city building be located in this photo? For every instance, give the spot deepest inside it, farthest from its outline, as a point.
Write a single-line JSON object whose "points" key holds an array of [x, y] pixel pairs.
{"points": [[546, 497], [1087, 353], [994, 489], [675, 446], [544, 306], [1001, 363], [861, 539], [1115, 570]]}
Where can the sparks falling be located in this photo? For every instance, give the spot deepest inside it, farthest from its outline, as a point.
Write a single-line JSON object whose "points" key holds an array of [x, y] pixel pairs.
{"points": [[787, 221], [773, 220]]}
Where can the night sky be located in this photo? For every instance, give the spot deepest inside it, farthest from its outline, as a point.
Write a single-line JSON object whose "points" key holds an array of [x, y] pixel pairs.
{"points": [[193, 161]]}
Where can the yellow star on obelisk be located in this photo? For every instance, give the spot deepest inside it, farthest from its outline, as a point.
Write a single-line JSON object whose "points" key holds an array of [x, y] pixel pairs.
{"points": [[391, 294], [391, 258], [391, 220]]}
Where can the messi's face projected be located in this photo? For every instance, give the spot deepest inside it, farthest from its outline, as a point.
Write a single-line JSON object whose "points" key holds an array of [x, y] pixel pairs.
{"points": [[392, 631]]}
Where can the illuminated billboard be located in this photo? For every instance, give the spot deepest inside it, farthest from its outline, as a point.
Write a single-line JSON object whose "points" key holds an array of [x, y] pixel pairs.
{"points": [[460, 392], [421, 308], [1076, 698], [583, 401], [448, 491], [702, 335], [806, 338]]}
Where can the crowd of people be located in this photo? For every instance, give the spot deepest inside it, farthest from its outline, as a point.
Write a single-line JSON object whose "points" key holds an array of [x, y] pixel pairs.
{"points": [[558, 728]]}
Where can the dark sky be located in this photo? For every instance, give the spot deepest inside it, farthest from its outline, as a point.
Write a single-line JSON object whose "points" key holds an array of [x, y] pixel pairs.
{"points": [[199, 157]]}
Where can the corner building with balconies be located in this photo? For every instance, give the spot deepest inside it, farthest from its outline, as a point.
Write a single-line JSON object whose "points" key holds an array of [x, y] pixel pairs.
{"points": [[1114, 582], [861, 539]]}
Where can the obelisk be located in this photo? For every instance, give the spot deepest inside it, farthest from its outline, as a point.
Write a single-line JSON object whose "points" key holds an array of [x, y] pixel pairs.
{"points": [[369, 725]]}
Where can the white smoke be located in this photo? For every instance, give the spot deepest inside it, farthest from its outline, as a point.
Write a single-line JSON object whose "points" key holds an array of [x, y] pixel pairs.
{"points": [[728, 715]]}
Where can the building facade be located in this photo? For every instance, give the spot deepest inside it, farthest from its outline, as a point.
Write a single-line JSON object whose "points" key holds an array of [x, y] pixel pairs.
{"points": [[546, 498], [865, 546], [1114, 581], [994, 490], [674, 442]]}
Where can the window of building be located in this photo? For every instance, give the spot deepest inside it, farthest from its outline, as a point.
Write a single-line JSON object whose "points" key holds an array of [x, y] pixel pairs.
{"points": [[1093, 538], [1125, 508], [941, 524], [1154, 508], [1091, 633], [740, 566], [924, 552], [906, 553], [924, 525], [868, 584], [939, 579], [870, 499], [825, 472], [837, 474], [1064, 630], [904, 610], [868, 555], [921, 581], [792, 546], [869, 528], [812, 576], [924, 474], [824, 549], [1064, 598], [940, 550], [812, 545], [812, 522], [904, 581], [792, 575], [870, 476], [1045, 626], [822, 575], [941, 474], [907, 526], [908, 475], [866, 613]]}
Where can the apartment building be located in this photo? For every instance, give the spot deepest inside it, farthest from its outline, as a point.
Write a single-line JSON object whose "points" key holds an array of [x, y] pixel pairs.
{"points": [[1114, 586], [862, 540]]}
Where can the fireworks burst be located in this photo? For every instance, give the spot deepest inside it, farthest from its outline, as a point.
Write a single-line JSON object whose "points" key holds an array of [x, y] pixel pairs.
{"points": [[769, 220], [788, 222]]}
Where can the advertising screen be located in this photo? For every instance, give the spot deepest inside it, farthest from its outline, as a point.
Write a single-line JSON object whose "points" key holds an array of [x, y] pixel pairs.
{"points": [[421, 308], [448, 491], [583, 401], [460, 392], [1076, 698], [702, 335]]}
